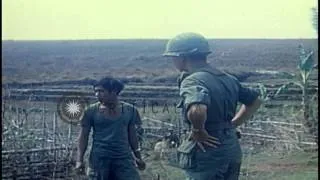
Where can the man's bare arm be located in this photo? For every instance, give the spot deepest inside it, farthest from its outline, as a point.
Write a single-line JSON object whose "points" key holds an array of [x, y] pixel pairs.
{"points": [[245, 112], [82, 143], [197, 114], [133, 141]]}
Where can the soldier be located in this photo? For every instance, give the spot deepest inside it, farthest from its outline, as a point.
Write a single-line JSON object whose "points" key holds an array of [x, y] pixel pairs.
{"points": [[209, 101], [114, 131]]}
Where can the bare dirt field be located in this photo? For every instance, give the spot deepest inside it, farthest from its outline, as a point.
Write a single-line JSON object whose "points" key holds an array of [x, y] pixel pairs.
{"points": [[141, 60]]}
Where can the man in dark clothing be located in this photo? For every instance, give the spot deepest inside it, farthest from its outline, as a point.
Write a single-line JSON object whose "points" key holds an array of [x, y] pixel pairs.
{"points": [[209, 100], [114, 132]]}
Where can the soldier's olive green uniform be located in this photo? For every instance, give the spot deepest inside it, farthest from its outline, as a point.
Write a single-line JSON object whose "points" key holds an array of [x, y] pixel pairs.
{"points": [[220, 92]]}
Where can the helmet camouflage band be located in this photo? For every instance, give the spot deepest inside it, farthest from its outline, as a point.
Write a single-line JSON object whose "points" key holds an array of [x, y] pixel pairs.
{"points": [[186, 44]]}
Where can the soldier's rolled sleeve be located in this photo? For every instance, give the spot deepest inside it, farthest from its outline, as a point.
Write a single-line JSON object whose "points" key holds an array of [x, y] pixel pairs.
{"points": [[194, 92], [86, 119], [247, 95]]}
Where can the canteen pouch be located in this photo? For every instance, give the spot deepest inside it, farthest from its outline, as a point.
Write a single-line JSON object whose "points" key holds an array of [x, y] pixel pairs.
{"points": [[186, 154]]}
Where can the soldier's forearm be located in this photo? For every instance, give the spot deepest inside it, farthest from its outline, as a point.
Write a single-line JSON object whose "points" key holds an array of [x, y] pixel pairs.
{"points": [[245, 112], [197, 114]]}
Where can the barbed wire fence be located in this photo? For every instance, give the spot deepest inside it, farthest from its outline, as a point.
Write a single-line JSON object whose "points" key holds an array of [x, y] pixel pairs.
{"points": [[37, 144]]}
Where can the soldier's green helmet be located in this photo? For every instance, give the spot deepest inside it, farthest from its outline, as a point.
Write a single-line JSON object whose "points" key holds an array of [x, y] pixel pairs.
{"points": [[187, 44]]}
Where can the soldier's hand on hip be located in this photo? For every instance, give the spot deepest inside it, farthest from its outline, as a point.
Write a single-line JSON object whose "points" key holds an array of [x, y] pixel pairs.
{"points": [[202, 137]]}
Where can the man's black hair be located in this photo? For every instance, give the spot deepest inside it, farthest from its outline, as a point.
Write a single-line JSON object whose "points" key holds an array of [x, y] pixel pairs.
{"points": [[110, 84]]}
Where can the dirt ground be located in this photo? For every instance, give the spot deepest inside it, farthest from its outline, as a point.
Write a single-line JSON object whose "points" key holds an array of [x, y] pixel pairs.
{"points": [[30, 61]]}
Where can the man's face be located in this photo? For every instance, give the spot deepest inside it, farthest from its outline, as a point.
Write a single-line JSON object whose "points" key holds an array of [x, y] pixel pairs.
{"points": [[178, 63], [104, 95]]}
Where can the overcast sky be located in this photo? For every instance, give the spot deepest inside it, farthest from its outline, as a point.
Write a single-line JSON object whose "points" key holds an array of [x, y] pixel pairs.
{"points": [[106, 19]]}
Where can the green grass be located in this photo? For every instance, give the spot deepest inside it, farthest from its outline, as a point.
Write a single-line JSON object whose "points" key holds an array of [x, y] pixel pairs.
{"points": [[262, 166], [294, 166], [294, 175]]}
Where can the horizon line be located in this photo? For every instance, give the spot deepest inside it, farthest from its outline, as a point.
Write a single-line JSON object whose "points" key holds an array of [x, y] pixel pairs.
{"points": [[306, 38]]}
